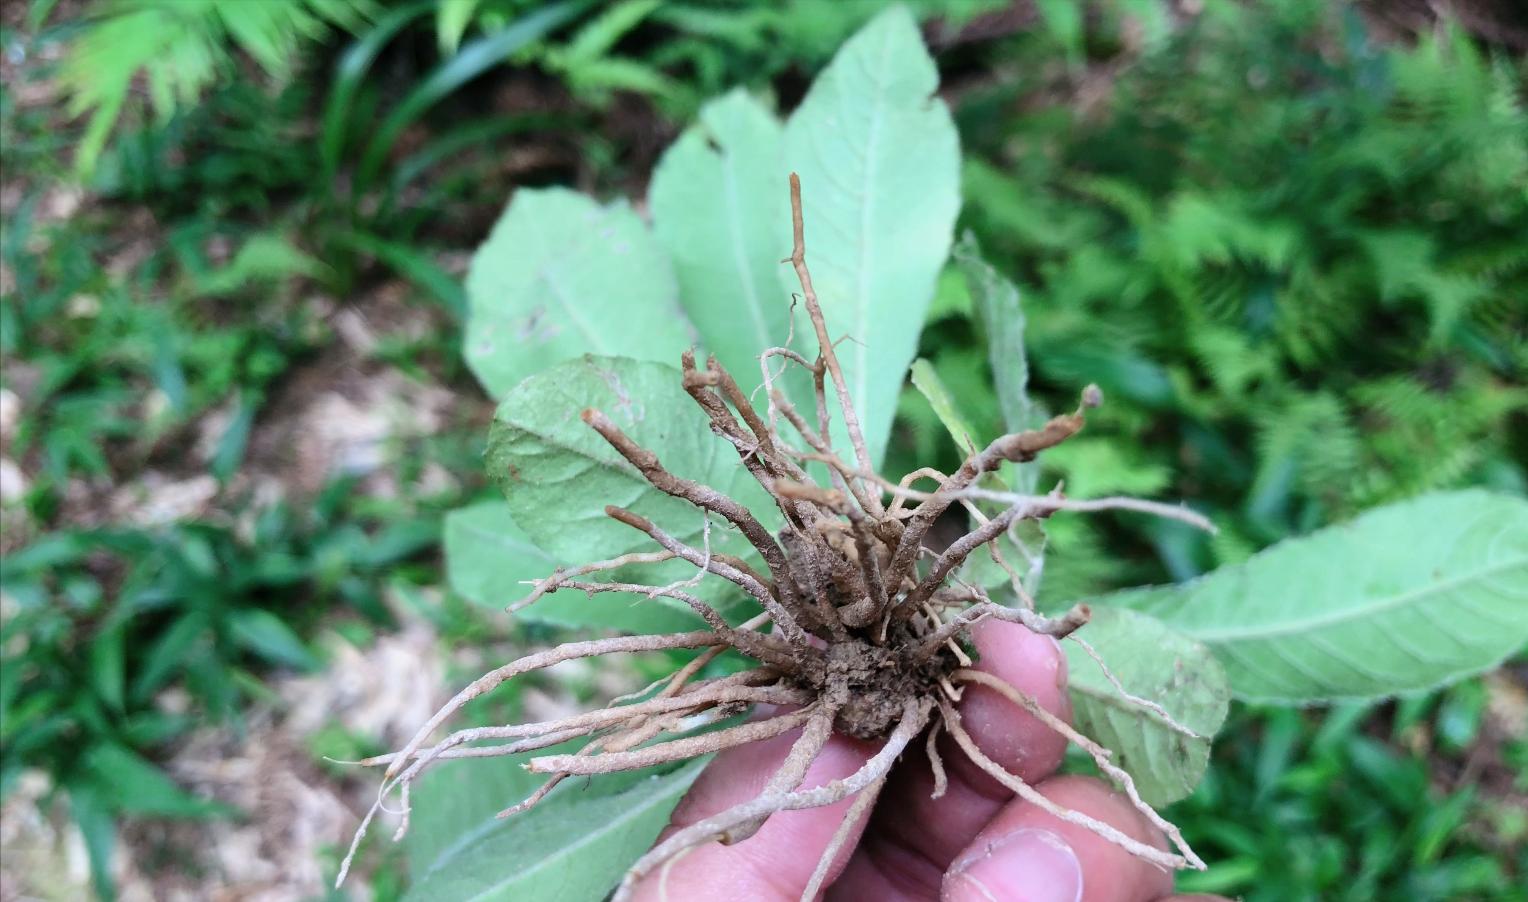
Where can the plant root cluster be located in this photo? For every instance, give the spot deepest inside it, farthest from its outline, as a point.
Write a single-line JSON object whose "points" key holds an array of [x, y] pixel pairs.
{"points": [[861, 627]]}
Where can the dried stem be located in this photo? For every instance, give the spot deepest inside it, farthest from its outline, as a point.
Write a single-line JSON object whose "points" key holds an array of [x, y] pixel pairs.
{"points": [[551, 583], [1045, 505], [825, 344], [960, 549], [1166, 719], [1099, 754], [914, 717], [749, 581], [1017, 447], [754, 645], [814, 737], [1031, 795], [936, 762], [856, 632], [857, 812], [1055, 627], [702, 496], [675, 750], [566, 652]]}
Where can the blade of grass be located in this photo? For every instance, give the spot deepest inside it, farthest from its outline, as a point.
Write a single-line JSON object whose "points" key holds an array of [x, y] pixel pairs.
{"points": [[414, 266], [349, 75], [473, 60]]}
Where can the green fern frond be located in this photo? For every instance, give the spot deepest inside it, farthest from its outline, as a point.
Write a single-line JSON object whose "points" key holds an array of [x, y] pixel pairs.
{"points": [[176, 49], [1307, 448], [1431, 431], [1319, 312]]}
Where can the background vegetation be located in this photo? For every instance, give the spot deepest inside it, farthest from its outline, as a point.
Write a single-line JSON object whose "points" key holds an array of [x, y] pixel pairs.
{"points": [[1286, 237]]}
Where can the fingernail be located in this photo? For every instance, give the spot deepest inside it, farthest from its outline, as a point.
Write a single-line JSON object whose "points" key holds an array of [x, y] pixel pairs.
{"points": [[1023, 866]]}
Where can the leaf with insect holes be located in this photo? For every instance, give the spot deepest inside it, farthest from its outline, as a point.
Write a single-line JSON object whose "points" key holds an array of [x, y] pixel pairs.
{"points": [[719, 205], [573, 847], [561, 276], [489, 558], [1404, 598], [1157, 664], [558, 474], [879, 162]]}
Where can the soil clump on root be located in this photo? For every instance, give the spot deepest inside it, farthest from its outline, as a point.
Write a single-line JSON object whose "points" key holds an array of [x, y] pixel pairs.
{"points": [[867, 626]]}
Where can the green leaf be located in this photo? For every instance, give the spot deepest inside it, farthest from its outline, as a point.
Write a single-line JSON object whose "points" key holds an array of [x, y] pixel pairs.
{"points": [[1155, 663], [263, 633], [229, 452], [451, 20], [559, 851], [561, 276], [349, 77], [169, 654], [1002, 315], [879, 162], [489, 557], [414, 265], [597, 36], [471, 61], [107, 669], [1405, 598], [459, 800], [998, 305], [558, 474], [99, 832], [1063, 21], [1094, 467], [124, 782], [720, 207], [265, 257], [928, 384], [176, 50], [1023, 545]]}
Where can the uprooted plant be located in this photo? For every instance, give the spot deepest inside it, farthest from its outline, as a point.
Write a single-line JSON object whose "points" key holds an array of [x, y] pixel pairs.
{"points": [[866, 621]]}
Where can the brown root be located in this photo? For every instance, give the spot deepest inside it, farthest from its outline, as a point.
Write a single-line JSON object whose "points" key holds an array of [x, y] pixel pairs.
{"points": [[851, 636]]}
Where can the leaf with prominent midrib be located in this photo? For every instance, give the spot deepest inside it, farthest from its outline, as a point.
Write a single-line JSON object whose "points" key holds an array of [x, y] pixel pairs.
{"points": [[573, 847], [489, 558], [561, 276], [720, 207], [1155, 663], [1404, 598], [879, 162]]}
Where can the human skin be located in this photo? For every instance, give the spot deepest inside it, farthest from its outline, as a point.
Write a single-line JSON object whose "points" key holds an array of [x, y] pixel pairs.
{"points": [[977, 843]]}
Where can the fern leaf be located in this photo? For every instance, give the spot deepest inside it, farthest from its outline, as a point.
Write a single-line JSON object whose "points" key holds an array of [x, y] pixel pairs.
{"points": [[179, 48]]}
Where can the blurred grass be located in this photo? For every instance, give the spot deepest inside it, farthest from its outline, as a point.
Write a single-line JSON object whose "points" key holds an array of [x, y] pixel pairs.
{"points": [[1291, 251]]}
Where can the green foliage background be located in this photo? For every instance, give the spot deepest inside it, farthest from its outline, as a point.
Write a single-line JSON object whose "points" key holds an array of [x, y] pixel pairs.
{"points": [[1294, 255]]}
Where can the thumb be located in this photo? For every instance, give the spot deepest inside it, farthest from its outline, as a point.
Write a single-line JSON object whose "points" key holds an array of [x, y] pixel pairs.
{"points": [[1028, 864]]}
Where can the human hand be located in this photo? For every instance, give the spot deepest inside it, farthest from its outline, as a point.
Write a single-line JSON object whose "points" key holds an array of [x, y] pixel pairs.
{"points": [[976, 843]]}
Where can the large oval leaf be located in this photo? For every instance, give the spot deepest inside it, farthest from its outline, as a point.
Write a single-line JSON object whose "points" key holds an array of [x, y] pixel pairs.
{"points": [[558, 474], [1402, 599], [720, 207], [574, 847], [489, 558], [1154, 663], [879, 161], [561, 276]]}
